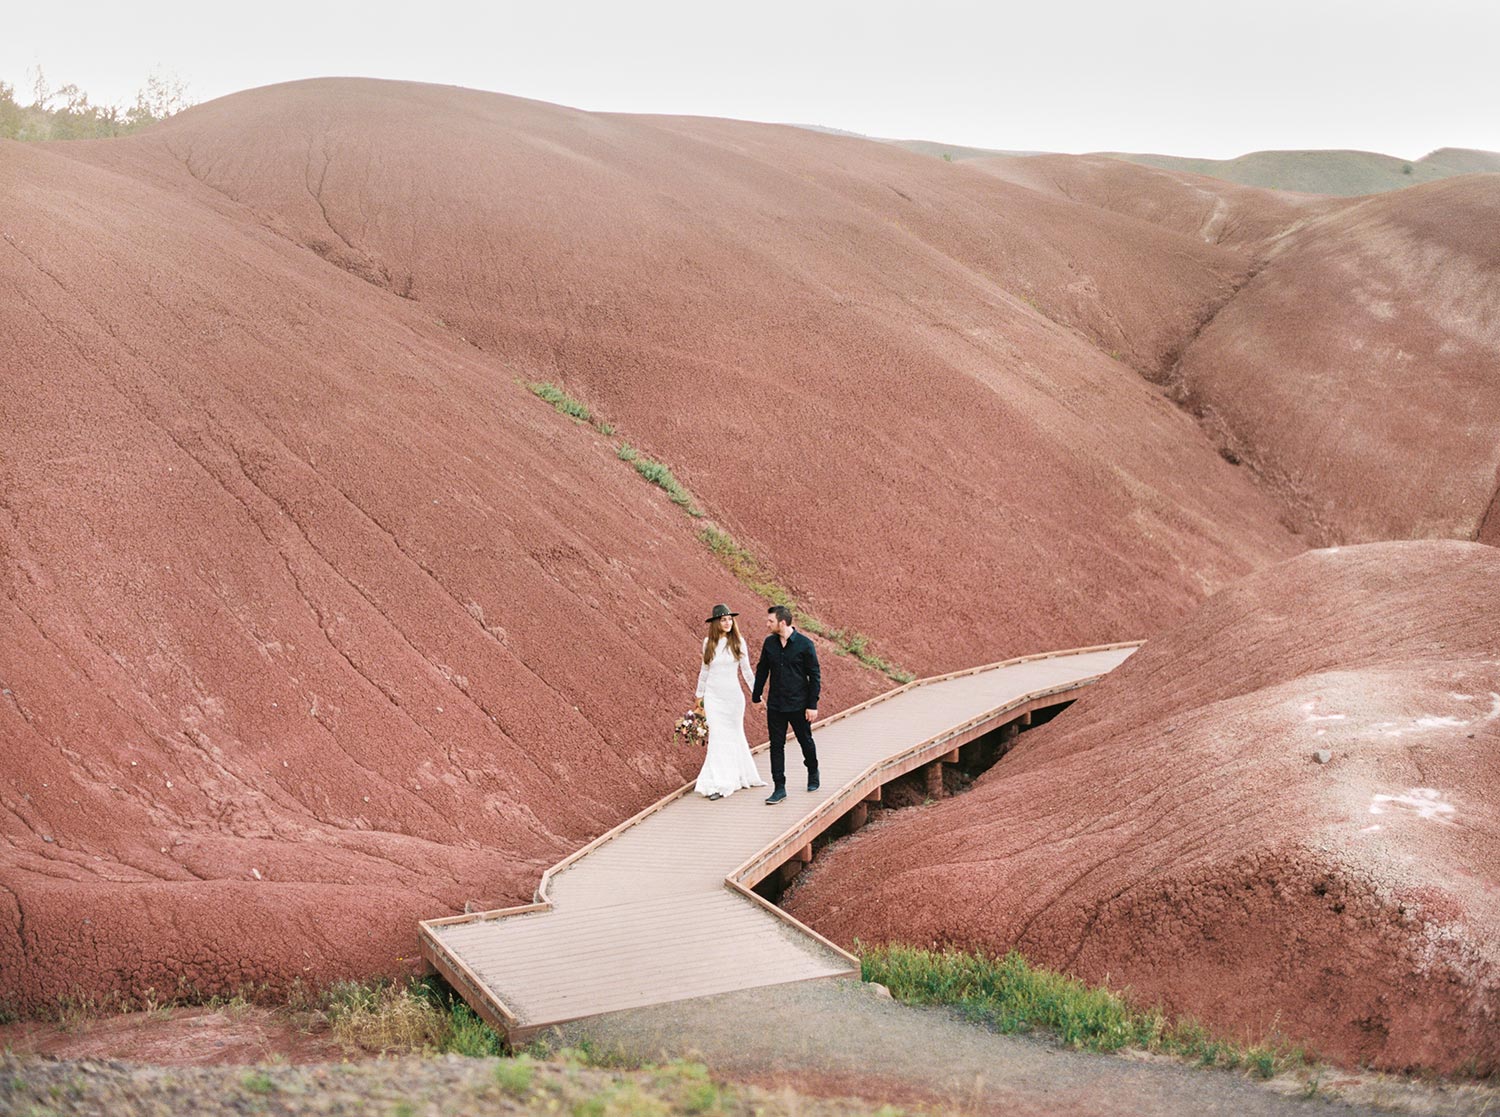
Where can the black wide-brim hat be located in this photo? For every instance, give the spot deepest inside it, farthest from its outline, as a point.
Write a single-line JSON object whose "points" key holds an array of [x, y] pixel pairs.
{"points": [[721, 611]]}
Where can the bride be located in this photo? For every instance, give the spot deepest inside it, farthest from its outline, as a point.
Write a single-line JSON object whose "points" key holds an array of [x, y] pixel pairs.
{"points": [[728, 765]]}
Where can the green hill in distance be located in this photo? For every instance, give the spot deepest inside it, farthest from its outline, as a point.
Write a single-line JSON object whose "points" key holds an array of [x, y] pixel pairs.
{"points": [[953, 152], [1344, 173], [1464, 160]]}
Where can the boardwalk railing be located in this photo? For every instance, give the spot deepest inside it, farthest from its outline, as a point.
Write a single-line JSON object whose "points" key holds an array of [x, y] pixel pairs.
{"points": [[648, 921]]}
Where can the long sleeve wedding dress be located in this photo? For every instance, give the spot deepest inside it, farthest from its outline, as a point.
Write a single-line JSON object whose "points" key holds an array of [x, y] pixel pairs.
{"points": [[727, 765]]}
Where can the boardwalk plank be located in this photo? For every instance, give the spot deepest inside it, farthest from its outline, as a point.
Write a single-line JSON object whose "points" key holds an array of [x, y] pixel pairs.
{"points": [[647, 916]]}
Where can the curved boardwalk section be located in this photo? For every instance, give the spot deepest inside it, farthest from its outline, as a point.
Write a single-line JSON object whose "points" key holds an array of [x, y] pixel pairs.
{"points": [[661, 909]]}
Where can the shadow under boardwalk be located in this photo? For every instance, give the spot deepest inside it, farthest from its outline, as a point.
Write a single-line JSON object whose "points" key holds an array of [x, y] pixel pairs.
{"points": [[660, 909]]}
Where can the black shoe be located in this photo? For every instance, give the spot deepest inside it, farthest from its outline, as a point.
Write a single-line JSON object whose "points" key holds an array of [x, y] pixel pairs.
{"points": [[777, 796], [714, 796], [812, 782]]}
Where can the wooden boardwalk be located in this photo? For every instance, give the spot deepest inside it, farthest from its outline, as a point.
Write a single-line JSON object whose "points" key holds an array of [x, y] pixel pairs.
{"points": [[661, 909]]}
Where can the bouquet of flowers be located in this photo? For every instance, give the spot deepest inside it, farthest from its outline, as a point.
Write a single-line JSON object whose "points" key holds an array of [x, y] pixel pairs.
{"points": [[691, 728]]}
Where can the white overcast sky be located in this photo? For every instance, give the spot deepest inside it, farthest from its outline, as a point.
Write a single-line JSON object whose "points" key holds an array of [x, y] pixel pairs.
{"points": [[1185, 77]]}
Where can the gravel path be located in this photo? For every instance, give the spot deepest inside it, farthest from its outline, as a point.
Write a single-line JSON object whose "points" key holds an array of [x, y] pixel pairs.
{"points": [[808, 1049], [842, 1037]]}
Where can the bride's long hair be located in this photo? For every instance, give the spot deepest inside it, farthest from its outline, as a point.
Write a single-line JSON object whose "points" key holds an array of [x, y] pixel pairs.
{"points": [[715, 634]]}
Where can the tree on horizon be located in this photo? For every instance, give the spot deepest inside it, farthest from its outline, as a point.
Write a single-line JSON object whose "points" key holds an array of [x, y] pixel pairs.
{"points": [[66, 113]]}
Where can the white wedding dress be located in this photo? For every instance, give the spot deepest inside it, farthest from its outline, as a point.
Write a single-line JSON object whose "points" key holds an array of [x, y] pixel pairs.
{"points": [[728, 765]]}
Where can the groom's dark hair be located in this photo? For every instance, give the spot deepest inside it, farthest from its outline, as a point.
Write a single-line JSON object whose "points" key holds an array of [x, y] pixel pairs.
{"points": [[782, 613]]}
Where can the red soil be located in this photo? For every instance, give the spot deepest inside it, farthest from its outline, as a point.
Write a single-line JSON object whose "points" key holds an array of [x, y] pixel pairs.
{"points": [[828, 339], [1209, 209], [1357, 371], [181, 1037], [1172, 832], [315, 622]]}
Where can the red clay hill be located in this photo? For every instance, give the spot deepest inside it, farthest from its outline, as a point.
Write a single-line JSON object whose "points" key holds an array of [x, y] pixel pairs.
{"points": [[1173, 832], [316, 621], [1359, 371], [842, 348], [1208, 209], [1356, 370]]}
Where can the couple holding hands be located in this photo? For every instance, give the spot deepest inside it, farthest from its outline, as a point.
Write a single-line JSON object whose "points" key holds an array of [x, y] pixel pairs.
{"points": [[789, 663]]}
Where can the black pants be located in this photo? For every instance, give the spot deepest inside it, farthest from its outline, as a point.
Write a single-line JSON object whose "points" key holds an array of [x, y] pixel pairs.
{"points": [[777, 722]]}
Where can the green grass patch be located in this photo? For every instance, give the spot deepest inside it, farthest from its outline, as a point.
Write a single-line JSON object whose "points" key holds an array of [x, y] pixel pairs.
{"points": [[761, 582], [750, 573], [258, 1082], [595, 1106], [659, 475], [703, 1097], [514, 1075], [559, 399], [1011, 995], [469, 1035], [407, 1017], [674, 1088], [584, 1053], [858, 645], [740, 562]]}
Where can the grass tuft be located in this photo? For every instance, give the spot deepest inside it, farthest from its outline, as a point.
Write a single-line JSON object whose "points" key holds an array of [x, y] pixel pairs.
{"points": [[414, 1016], [857, 644], [661, 476], [741, 563], [595, 1106], [559, 399], [701, 1097], [751, 574], [761, 582], [514, 1075], [469, 1035], [386, 1017], [1011, 995], [258, 1082], [584, 1053]]}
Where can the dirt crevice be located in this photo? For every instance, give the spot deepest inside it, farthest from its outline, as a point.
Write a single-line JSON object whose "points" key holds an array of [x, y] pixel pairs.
{"points": [[1489, 524]]}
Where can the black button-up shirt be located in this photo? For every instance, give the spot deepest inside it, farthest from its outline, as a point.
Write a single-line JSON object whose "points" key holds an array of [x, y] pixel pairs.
{"points": [[793, 672]]}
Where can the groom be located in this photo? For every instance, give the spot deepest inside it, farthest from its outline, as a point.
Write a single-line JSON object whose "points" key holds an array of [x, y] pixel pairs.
{"points": [[790, 661]]}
